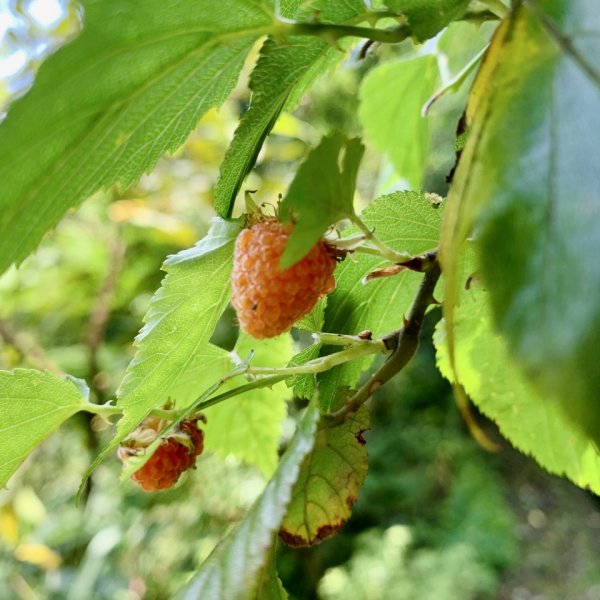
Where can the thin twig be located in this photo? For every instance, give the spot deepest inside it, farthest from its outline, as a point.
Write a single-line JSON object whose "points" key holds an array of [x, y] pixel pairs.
{"points": [[28, 350], [101, 313]]}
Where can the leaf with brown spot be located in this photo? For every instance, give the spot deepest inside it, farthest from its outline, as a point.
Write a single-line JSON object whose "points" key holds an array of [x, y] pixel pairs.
{"points": [[329, 482]]}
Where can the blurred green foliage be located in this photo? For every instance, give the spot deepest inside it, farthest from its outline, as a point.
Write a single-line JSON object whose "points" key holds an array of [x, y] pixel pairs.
{"points": [[436, 518]]}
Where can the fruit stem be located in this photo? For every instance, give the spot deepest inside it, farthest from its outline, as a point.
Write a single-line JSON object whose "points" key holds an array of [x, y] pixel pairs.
{"points": [[381, 249], [332, 32]]}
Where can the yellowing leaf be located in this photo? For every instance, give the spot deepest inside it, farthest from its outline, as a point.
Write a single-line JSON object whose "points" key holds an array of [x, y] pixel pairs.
{"points": [[328, 484]]}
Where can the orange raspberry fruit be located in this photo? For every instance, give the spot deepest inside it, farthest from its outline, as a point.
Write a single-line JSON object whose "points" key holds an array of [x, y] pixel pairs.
{"points": [[267, 299], [177, 452]]}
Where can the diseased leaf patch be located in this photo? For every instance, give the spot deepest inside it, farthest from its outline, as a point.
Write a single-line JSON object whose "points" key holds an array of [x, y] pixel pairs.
{"points": [[329, 483]]}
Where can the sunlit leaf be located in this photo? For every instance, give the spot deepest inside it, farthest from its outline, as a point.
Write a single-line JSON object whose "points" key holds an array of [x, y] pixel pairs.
{"points": [[315, 319], [249, 425], [130, 88], [535, 424], [283, 73], [304, 385], [32, 405], [233, 568], [328, 484]]}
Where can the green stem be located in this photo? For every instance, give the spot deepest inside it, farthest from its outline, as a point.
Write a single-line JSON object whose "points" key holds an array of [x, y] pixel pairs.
{"points": [[267, 377], [242, 389], [332, 31], [456, 82], [109, 410], [382, 249], [323, 363]]}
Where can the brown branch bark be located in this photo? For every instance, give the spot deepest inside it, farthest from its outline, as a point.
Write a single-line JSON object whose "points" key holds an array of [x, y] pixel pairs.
{"points": [[403, 344]]}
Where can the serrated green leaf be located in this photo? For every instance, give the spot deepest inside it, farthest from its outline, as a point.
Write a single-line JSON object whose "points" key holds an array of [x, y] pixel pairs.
{"points": [[269, 585], [391, 98], [304, 385], [427, 17], [32, 405], [282, 74], [329, 481], [321, 193], [232, 570], [528, 184], [181, 318], [130, 88], [533, 423], [249, 426], [315, 319], [406, 221]]}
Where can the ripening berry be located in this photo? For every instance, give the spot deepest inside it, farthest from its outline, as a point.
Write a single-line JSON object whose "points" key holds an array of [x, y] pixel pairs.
{"points": [[176, 454], [268, 300]]}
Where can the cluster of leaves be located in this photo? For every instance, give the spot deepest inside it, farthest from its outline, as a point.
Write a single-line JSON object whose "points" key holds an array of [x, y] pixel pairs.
{"points": [[520, 337]]}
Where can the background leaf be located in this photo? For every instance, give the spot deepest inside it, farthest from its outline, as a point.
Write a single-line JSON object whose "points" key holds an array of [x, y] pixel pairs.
{"points": [[391, 98], [130, 88], [249, 426], [320, 194], [328, 485], [529, 183], [533, 423], [232, 570], [406, 221], [32, 405]]}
